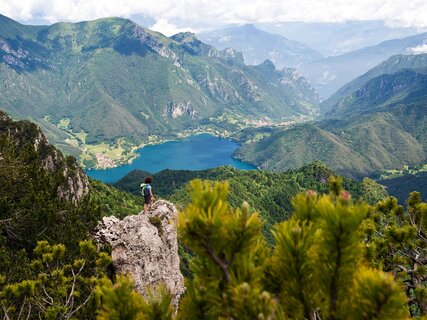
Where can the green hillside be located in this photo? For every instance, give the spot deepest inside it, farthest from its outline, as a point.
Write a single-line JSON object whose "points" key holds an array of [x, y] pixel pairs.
{"points": [[45, 195], [388, 67], [382, 93], [110, 85], [401, 182], [381, 125], [267, 192], [401, 187]]}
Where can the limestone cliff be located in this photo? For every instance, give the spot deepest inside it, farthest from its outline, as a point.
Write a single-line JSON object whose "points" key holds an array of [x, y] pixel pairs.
{"points": [[145, 247]]}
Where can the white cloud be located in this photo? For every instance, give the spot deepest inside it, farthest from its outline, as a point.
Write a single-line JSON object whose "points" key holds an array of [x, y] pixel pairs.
{"points": [[420, 49], [168, 29], [176, 14]]}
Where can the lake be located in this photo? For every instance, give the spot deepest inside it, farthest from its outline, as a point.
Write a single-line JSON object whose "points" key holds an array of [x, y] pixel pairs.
{"points": [[196, 152]]}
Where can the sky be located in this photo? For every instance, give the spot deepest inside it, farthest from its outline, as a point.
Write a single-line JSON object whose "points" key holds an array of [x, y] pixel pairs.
{"points": [[172, 16]]}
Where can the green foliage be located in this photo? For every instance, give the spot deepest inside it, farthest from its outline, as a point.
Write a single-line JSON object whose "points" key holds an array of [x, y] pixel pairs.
{"points": [[120, 301], [375, 295], [269, 193], [293, 263], [231, 258], [315, 269], [61, 285], [31, 208], [396, 241], [114, 202]]}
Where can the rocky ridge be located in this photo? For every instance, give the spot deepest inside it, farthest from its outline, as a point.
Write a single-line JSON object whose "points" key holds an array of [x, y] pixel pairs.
{"points": [[145, 247]]}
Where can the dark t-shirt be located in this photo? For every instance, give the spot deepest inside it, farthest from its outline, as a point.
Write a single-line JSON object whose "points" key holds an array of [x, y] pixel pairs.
{"points": [[147, 196]]}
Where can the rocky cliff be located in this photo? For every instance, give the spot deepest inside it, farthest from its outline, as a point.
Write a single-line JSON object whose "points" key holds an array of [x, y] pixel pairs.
{"points": [[72, 184], [145, 247]]}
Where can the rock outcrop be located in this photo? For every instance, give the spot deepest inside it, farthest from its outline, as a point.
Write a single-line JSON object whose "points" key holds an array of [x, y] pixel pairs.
{"points": [[145, 247], [72, 182]]}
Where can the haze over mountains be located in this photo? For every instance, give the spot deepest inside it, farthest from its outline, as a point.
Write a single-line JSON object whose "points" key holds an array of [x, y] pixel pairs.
{"points": [[349, 49], [329, 74], [332, 39], [258, 45]]}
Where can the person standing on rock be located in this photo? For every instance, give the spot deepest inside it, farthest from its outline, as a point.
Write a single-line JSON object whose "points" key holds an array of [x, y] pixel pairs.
{"points": [[147, 192]]}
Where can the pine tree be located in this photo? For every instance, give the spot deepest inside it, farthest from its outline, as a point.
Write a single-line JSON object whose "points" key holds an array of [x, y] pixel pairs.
{"points": [[58, 288], [231, 258], [397, 242], [120, 301], [316, 268]]}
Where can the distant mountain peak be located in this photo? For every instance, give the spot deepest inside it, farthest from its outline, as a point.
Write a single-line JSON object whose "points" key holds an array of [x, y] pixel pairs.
{"points": [[258, 45], [269, 64], [185, 37], [390, 66], [249, 27]]}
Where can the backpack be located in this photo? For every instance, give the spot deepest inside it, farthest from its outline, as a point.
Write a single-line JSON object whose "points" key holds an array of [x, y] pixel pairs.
{"points": [[144, 189]]}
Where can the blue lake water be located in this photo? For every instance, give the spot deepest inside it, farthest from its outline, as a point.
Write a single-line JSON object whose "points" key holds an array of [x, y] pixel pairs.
{"points": [[197, 152]]}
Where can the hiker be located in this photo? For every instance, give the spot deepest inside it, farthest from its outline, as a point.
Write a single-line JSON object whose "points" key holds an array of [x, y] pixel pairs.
{"points": [[147, 192]]}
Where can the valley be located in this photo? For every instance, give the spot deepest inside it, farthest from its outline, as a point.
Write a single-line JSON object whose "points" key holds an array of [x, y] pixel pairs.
{"points": [[213, 160], [104, 89], [120, 85], [124, 151]]}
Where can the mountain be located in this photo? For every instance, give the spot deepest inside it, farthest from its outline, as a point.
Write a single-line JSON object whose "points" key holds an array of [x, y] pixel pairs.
{"points": [[331, 73], [109, 85], [389, 66], [258, 45], [381, 125], [43, 196], [337, 38]]}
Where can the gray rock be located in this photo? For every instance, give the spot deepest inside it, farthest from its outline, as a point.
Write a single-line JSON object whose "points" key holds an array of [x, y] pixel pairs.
{"points": [[147, 251]]}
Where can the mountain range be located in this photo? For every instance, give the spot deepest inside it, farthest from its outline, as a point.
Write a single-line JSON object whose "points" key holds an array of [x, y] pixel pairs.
{"points": [[258, 45], [329, 74], [329, 55], [377, 122], [113, 82]]}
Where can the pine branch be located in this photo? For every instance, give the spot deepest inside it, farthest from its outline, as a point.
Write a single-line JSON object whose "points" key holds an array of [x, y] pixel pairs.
{"points": [[223, 265]]}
